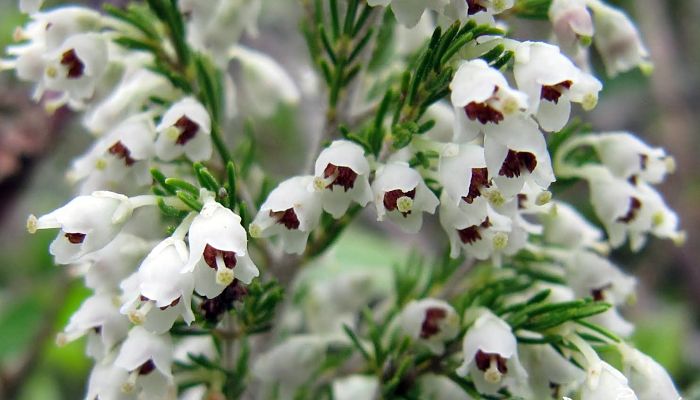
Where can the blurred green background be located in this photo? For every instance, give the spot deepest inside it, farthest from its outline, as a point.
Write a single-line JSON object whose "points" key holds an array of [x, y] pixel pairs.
{"points": [[37, 298]]}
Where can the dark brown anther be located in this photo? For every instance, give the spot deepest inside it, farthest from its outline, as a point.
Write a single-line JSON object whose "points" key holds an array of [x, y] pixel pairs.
{"points": [[483, 361], [188, 129], [147, 367], [515, 162], [643, 161], [635, 205], [431, 323], [598, 294], [288, 218], [483, 112], [522, 200], [344, 176], [76, 68], [553, 93], [469, 235], [211, 252], [480, 179], [75, 238], [474, 7], [122, 152], [392, 196]]}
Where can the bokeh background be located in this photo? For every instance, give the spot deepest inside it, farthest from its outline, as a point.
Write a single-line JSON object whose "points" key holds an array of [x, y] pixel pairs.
{"points": [[37, 297]]}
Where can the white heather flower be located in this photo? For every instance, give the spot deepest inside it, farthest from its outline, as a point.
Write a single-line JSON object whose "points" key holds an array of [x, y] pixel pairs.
{"points": [[148, 358], [550, 374], [482, 99], [264, 81], [409, 12], [126, 98], [106, 380], [603, 381], [551, 82], [572, 23], [291, 363], [98, 318], [122, 156], [356, 387], [342, 176], [218, 250], [106, 268], [564, 226], [648, 379], [184, 129], [482, 11], [517, 153], [466, 180], [431, 322], [75, 67], [87, 223], [291, 211], [478, 238], [401, 195], [617, 39], [591, 275], [626, 156], [159, 292], [439, 387], [490, 353]]}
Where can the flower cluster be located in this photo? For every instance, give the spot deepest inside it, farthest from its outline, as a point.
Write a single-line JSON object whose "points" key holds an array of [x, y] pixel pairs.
{"points": [[468, 133]]}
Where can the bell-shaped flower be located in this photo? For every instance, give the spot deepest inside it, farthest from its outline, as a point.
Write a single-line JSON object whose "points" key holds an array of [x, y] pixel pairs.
{"points": [[401, 195], [490, 353], [551, 82], [566, 227], [482, 99], [648, 379], [517, 153], [572, 24], [479, 238], [159, 292], [550, 375], [440, 387], [122, 156], [465, 178], [626, 156], [218, 250], [265, 84], [482, 11], [104, 269], [431, 322], [603, 381], [87, 223], [184, 129], [356, 387], [148, 358], [106, 381], [291, 211], [617, 39], [342, 176], [98, 318], [409, 12]]}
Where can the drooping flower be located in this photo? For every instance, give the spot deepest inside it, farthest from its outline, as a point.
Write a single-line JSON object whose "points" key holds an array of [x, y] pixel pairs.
{"points": [[291, 211], [356, 387], [564, 226], [147, 357], [551, 376], [466, 180], [218, 250], [409, 12], [491, 355], [603, 381], [342, 177], [648, 379], [401, 195], [431, 322], [87, 224], [184, 129], [572, 24], [627, 157]]}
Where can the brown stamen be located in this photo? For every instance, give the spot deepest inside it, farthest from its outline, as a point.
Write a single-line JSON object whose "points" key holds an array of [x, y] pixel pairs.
{"points": [[483, 361], [392, 196], [344, 176], [75, 238], [288, 218], [635, 205], [473, 7], [75, 66], [479, 180], [120, 151], [515, 162], [188, 129], [471, 234], [430, 325], [553, 93], [483, 112], [147, 367], [210, 253]]}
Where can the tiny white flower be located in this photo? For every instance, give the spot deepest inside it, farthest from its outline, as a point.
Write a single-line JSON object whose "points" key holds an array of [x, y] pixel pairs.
{"points": [[626, 156], [482, 98], [356, 387], [552, 82], [491, 355], [617, 39], [265, 83], [184, 129], [409, 12], [572, 23], [106, 268], [159, 292], [648, 379], [218, 250], [87, 223], [148, 358], [603, 381], [291, 211], [550, 374], [517, 153], [431, 322], [565, 226], [482, 11], [342, 176], [401, 195], [106, 380], [465, 178]]}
